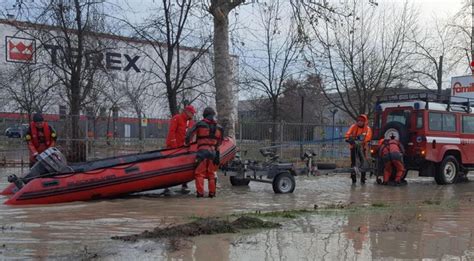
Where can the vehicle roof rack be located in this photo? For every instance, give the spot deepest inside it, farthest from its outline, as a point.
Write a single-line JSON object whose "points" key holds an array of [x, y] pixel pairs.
{"points": [[462, 103]]}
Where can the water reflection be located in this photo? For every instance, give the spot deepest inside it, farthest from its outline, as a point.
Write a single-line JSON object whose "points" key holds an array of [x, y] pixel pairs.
{"points": [[82, 230]]}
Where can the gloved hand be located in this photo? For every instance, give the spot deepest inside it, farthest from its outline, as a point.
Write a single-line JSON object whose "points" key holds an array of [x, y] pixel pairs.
{"points": [[350, 140], [217, 159], [33, 157]]}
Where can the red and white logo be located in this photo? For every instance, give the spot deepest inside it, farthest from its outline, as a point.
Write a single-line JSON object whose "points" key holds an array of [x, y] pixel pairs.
{"points": [[20, 49]]}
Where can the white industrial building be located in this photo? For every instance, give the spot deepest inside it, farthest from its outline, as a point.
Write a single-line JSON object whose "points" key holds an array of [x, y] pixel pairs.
{"points": [[125, 63]]}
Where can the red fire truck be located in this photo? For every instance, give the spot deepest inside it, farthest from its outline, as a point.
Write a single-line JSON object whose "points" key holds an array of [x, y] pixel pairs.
{"points": [[438, 134]]}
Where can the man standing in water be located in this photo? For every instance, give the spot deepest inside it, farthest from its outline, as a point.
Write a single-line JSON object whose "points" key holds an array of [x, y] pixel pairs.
{"points": [[179, 125], [361, 132], [209, 136]]}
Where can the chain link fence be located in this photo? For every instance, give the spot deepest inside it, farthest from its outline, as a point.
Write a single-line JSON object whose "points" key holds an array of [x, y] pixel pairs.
{"points": [[101, 137], [290, 140]]}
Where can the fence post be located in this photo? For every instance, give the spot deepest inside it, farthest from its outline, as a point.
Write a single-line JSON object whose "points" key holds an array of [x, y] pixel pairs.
{"points": [[240, 131]]}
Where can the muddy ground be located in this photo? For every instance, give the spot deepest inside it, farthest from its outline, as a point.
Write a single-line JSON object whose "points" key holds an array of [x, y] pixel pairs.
{"points": [[325, 218]]}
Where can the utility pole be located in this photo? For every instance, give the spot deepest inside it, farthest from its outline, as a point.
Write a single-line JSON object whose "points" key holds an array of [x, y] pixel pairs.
{"points": [[301, 127], [440, 77], [333, 111]]}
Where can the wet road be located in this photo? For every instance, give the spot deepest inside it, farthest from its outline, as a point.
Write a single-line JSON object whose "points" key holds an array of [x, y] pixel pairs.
{"points": [[82, 230]]}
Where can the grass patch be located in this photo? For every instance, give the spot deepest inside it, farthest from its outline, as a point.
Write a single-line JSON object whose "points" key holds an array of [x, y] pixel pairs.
{"points": [[279, 214], [432, 202], [379, 205], [203, 226]]}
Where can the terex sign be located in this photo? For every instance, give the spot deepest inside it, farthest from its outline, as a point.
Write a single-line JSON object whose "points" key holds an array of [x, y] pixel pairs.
{"points": [[107, 60], [24, 50], [462, 86]]}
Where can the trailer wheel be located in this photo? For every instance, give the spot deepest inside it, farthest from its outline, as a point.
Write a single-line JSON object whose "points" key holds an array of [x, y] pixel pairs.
{"points": [[235, 181], [284, 183], [448, 171]]}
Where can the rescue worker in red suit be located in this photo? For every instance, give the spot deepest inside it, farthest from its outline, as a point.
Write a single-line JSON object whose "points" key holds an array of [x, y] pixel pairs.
{"points": [[179, 125], [209, 136], [361, 132], [40, 136], [391, 152]]}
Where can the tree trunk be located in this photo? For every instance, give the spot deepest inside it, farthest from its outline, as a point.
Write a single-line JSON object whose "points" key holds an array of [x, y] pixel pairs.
{"points": [[223, 74], [140, 127], [274, 121], [173, 103], [77, 151]]}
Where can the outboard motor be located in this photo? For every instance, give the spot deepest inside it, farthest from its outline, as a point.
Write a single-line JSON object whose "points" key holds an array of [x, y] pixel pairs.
{"points": [[50, 161]]}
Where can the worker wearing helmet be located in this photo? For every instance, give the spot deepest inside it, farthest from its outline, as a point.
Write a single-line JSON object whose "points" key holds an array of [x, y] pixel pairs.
{"points": [[179, 125], [39, 136], [209, 136], [391, 152]]}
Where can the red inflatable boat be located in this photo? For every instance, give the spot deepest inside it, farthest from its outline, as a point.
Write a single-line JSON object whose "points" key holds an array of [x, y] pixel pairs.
{"points": [[111, 177]]}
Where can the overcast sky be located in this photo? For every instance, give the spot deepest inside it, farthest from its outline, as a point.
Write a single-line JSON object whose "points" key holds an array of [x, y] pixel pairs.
{"points": [[137, 9]]}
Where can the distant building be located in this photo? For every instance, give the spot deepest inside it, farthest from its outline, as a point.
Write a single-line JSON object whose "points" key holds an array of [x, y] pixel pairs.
{"points": [[123, 60]]}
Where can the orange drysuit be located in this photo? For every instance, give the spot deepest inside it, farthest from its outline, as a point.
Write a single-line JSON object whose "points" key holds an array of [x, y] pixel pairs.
{"points": [[209, 136], [391, 152]]}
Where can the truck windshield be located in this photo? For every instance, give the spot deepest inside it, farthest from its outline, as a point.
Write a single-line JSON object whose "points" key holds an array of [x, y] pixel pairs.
{"points": [[401, 116]]}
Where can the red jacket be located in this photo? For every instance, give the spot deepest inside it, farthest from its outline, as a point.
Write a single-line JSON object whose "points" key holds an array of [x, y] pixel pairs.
{"points": [[179, 124]]}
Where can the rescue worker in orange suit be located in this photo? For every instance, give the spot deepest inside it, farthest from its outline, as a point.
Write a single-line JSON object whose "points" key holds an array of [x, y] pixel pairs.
{"points": [[391, 152], [360, 132], [179, 125], [40, 136], [209, 136]]}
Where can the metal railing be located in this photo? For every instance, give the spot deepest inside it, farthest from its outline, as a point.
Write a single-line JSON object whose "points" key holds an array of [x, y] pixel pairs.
{"points": [[101, 138]]}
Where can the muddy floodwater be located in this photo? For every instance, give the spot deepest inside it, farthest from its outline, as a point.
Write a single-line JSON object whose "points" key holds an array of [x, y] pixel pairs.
{"points": [[421, 220]]}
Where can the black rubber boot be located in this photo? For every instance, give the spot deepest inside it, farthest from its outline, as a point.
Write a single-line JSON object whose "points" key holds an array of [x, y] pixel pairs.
{"points": [[354, 178], [362, 178]]}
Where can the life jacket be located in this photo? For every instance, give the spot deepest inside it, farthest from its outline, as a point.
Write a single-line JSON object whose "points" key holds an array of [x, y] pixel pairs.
{"points": [[34, 134], [208, 134], [390, 146]]}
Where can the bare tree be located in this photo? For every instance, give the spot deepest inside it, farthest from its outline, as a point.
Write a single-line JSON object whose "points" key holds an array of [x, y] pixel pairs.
{"points": [[281, 49], [314, 102], [463, 28], [434, 54], [66, 31], [29, 87], [178, 43], [136, 89], [359, 53], [223, 64]]}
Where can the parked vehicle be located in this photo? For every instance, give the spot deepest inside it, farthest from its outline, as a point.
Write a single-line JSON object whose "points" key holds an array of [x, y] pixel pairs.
{"points": [[16, 131], [438, 136]]}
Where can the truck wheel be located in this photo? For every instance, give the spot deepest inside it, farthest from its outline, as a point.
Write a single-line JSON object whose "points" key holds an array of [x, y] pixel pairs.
{"points": [[236, 181], [448, 171], [284, 183]]}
